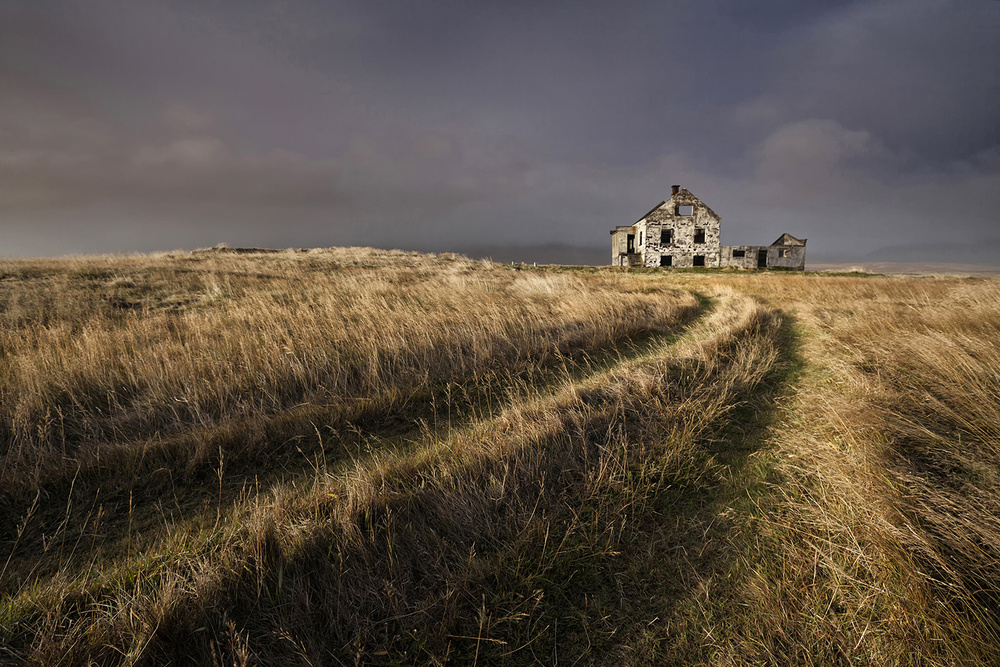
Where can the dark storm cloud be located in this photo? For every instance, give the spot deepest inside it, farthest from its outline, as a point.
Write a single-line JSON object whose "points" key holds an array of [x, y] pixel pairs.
{"points": [[454, 124], [916, 73]]}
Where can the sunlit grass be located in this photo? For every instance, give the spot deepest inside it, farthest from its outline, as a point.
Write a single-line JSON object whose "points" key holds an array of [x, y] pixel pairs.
{"points": [[381, 457]]}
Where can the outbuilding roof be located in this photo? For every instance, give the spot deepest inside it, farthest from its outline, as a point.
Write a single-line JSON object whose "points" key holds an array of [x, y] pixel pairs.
{"points": [[788, 239]]}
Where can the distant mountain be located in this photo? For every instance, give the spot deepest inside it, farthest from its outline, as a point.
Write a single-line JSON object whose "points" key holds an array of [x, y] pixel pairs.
{"points": [[986, 253]]}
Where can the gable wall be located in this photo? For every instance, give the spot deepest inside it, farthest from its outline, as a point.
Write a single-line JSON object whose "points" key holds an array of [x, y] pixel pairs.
{"points": [[795, 257], [683, 248]]}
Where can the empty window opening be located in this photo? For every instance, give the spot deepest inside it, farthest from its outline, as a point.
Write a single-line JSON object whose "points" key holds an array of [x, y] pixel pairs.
{"points": [[640, 238], [739, 253], [666, 260], [684, 210], [699, 235], [666, 236], [781, 253], [699, 260], [630, 244]]}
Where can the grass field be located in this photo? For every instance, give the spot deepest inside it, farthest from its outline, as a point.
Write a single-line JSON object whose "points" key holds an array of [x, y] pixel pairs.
{"points": [[352, 456]]}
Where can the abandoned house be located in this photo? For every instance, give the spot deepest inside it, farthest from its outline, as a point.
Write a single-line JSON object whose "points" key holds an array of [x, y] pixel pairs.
{"points": [[683, 232]]}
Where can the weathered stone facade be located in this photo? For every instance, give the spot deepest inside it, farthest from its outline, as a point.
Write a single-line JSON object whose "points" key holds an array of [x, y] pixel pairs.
{"points": [[683, 232]]}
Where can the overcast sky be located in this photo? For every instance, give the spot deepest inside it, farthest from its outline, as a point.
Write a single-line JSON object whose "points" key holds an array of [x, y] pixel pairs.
{"points": [[137, 126]]}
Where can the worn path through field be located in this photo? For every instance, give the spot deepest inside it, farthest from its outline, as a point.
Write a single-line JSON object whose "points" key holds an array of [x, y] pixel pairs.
{"points": [[177, 506], [608, 492], [832, 569], [581, 523]]}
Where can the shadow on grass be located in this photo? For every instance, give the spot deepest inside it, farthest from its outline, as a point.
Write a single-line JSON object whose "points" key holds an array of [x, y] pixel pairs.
{"points": [[598, 545], [124, 505], [642, 596]]}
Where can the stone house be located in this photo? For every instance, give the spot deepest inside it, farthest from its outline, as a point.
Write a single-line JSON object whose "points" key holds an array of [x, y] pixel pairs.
{"points": [[683, 231]]}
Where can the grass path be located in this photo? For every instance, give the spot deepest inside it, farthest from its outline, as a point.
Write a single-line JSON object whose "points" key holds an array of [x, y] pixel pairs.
{"points": [[179, 492], [728, 491], [840, 558], [99, 525], [547, 415]]}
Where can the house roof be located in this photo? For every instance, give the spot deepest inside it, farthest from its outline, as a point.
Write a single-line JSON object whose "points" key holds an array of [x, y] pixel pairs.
{"points": [[684, 195], [788, 239], [646, 214]]}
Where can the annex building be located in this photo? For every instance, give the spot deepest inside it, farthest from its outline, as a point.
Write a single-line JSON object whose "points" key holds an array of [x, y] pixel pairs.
{"points": [[683, 231]]}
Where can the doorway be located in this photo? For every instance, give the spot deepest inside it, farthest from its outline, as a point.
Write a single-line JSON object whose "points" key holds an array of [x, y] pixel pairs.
{"points": [[762, 259]]}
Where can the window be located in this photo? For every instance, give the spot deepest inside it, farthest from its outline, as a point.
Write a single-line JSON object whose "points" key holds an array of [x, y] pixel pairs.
{"points": [[684, 210], [699, 235], [699, 260], [666, 236], [781, 253], [666, 260], [739, 253], [640, 238]]}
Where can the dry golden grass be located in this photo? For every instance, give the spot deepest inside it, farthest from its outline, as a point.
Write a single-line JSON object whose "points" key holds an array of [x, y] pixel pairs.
{"points": [[152, 391], [880, 543], [368, 457], [105, 353]]}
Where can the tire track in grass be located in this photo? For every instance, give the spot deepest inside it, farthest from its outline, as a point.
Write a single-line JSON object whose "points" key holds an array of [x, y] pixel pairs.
{"points": [[518, 539], [191, 511]]}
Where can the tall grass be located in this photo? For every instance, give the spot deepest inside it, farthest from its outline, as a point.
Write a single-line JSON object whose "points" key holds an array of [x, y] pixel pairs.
{"points": [[368, 457], [156, 391], [458, 550], [139, 349], [937, 369], [881, 542]]}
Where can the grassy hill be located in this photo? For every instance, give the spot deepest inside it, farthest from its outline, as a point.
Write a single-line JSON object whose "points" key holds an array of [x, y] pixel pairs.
{"points": [[352, 456]]}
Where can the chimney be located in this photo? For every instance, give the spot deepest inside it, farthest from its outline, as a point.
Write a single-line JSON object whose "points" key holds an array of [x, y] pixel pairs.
{"points": [[674, 189]]}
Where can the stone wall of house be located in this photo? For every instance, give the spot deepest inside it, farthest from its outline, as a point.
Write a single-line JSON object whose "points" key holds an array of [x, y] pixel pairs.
{"points": [[730, 256], [778, 256], [681, 246]]}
